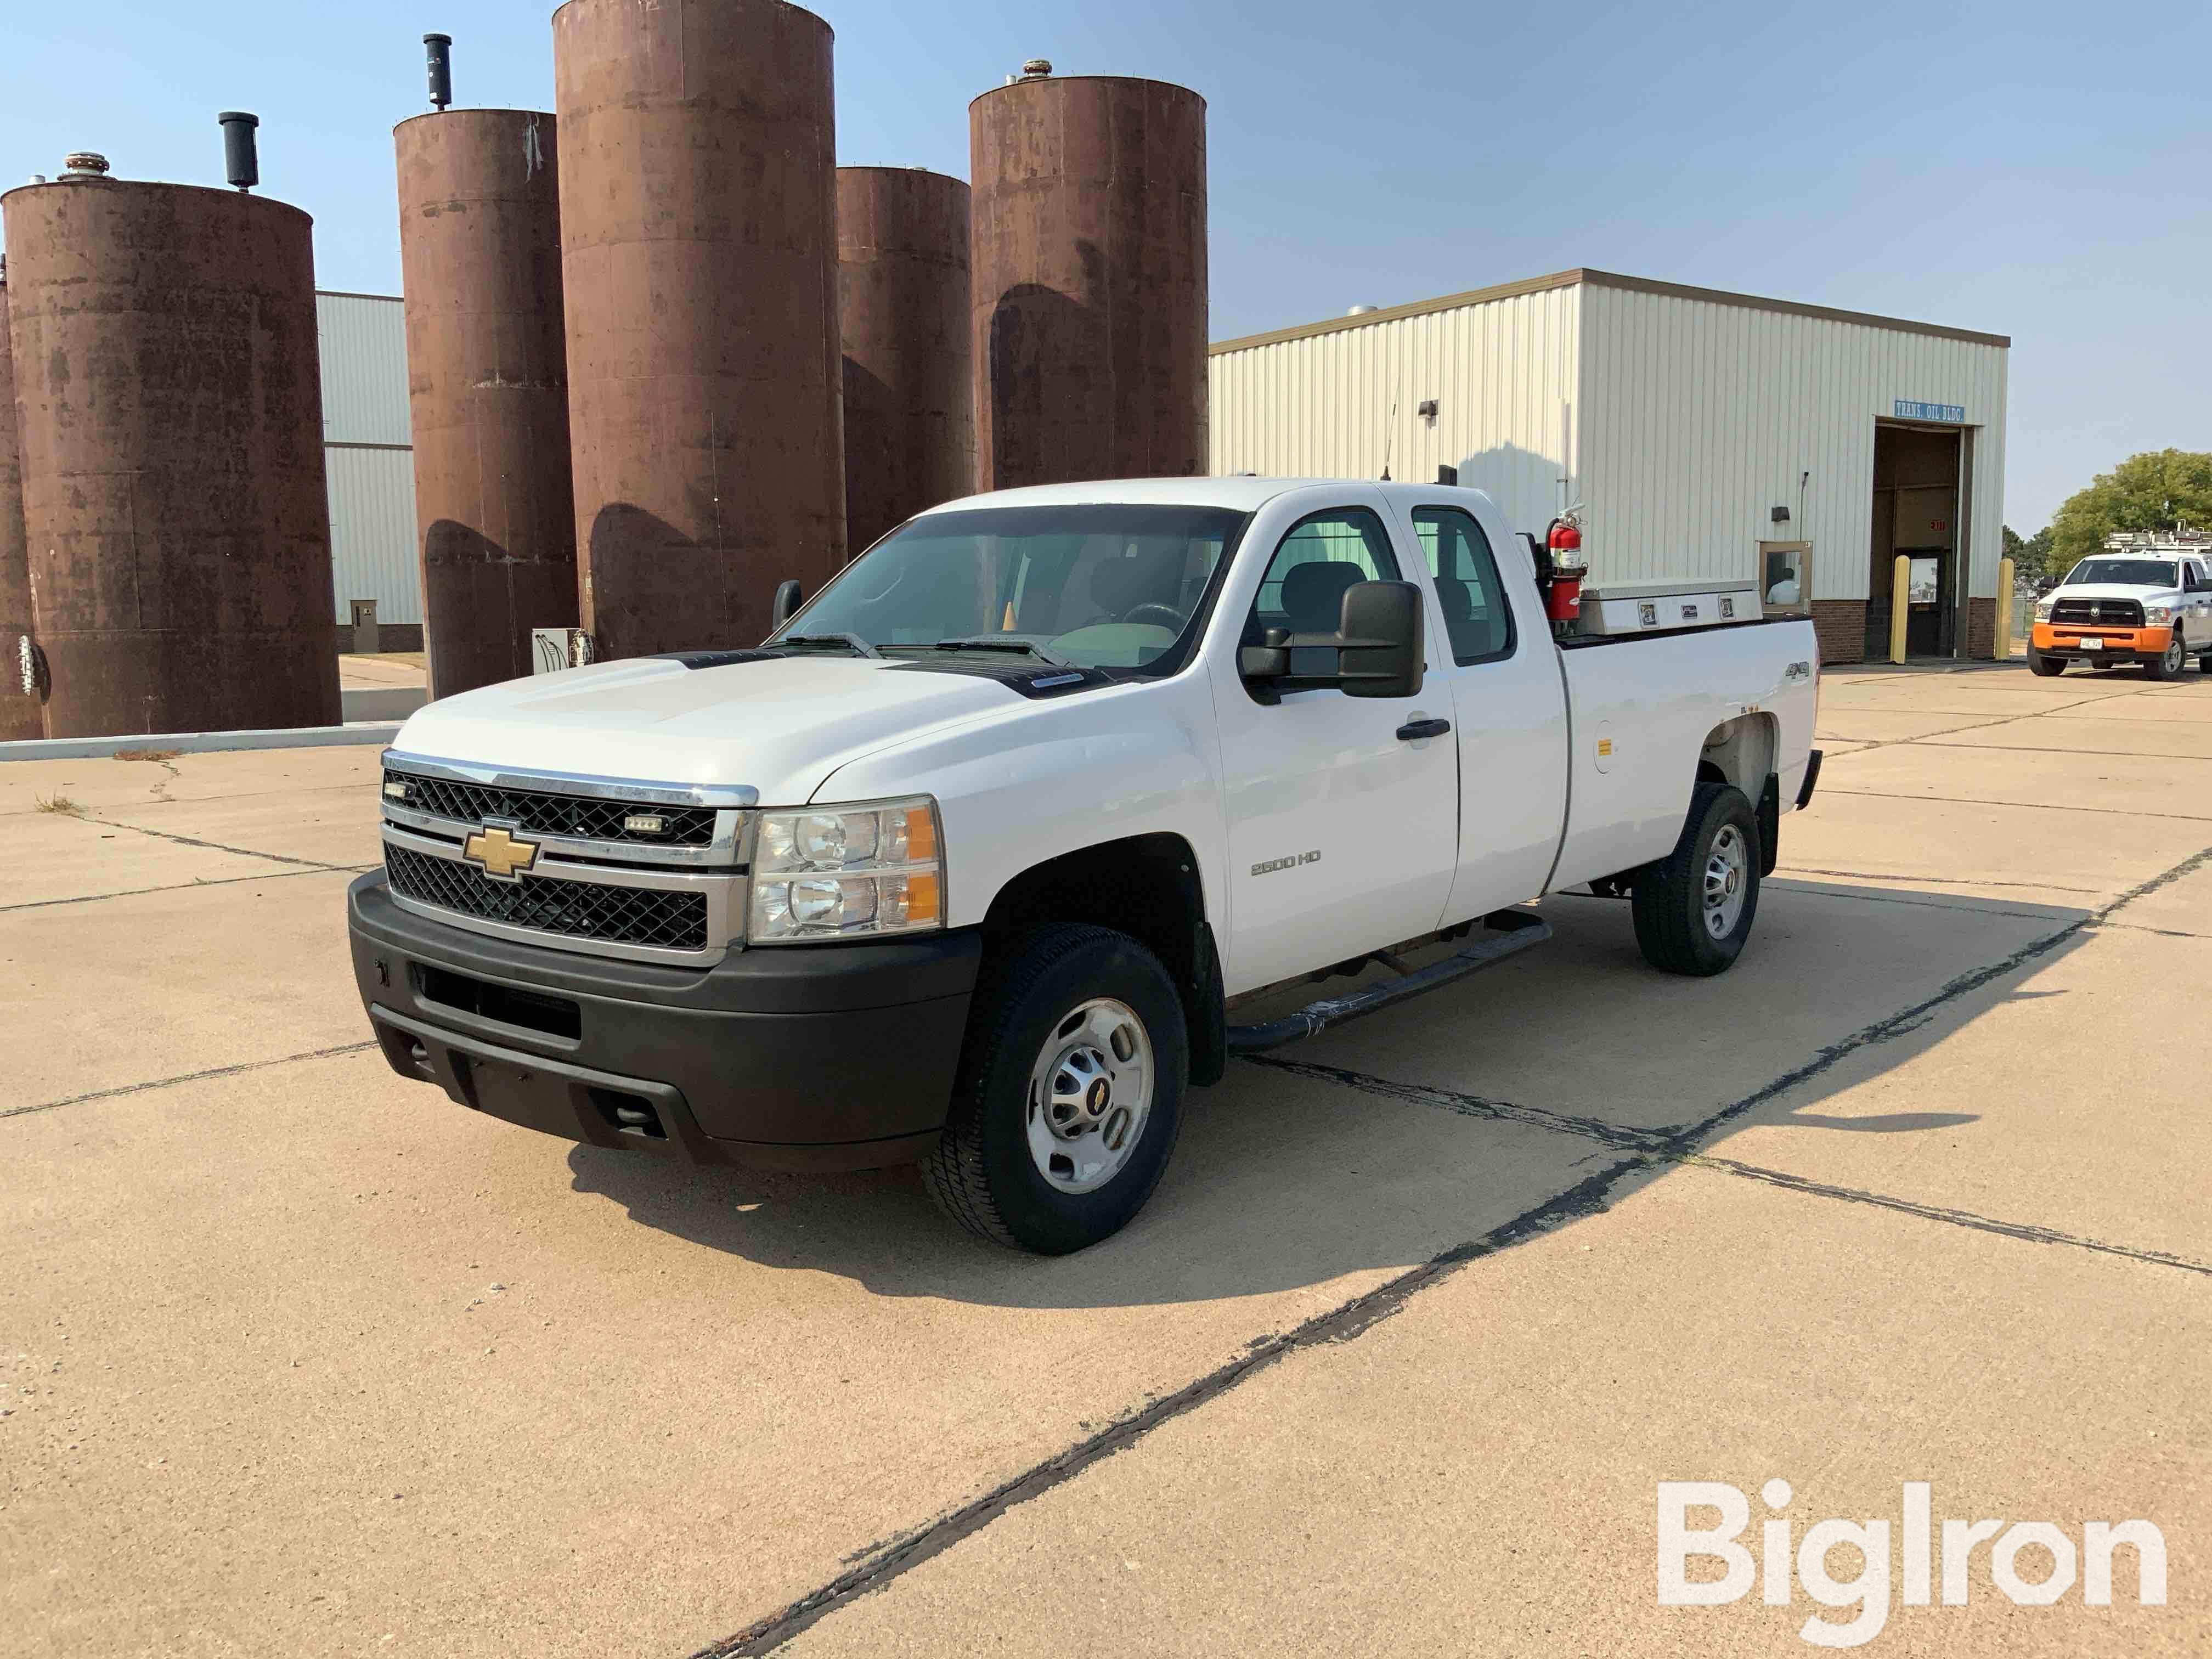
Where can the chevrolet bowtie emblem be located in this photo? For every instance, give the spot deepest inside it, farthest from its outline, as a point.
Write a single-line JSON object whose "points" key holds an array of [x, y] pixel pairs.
{"points": [[502, 856]]}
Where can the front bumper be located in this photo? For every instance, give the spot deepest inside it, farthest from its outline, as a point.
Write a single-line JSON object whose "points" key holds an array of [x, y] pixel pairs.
{"points": [[813, 1056], [2064, 640]]}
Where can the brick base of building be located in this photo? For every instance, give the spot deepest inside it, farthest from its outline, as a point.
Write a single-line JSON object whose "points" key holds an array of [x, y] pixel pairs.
{"points": [[1982, 630], [1841, 625]]}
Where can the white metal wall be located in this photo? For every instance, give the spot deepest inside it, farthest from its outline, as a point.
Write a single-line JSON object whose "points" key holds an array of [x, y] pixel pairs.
{"points": [[1503, 373], [1699, 416], [372, 532], [368, 456]]}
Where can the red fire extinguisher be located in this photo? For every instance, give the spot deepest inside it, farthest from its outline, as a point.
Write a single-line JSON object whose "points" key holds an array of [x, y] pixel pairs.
{"points": [[1563, 598]]}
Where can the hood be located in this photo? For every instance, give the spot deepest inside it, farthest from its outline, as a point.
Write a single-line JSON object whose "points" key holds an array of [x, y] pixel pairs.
{"points": [[781, 725], [2110, 591]]}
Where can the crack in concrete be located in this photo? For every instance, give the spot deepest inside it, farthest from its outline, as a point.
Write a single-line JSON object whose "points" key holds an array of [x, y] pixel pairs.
{"points": [[2028, 1233], [1337, 1325], [188, 1077], [2024, 806], [215, 846], [1590, 1196], [187, 886]]}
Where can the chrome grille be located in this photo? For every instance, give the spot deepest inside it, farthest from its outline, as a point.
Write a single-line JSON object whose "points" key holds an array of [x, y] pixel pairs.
{"points": [[654, 919], [2113, 613], [545, 813]]}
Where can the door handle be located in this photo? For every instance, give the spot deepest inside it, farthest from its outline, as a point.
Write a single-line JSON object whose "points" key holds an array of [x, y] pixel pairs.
{"points": [[1414, 731]]}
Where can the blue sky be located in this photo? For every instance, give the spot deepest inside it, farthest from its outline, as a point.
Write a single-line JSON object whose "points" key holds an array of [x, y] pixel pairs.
{"points": [[2016, 168]]}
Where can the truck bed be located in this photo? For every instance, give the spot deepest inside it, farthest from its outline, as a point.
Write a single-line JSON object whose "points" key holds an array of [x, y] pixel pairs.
{"points": [[1639, 709]]}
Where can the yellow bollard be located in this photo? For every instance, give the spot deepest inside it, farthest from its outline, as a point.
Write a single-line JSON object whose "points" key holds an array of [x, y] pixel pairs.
{"points": [[2007, 575], [1900, 600]]}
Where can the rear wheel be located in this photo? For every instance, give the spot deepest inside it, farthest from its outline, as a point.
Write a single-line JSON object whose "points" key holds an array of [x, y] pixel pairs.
{"points": [[1070, 1094], [1694, 908], [2049, 667], [2168, 664]]}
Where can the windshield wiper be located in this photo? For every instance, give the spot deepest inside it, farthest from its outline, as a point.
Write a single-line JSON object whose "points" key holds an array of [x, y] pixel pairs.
{"points": [[851, 641], [1004, 642]]}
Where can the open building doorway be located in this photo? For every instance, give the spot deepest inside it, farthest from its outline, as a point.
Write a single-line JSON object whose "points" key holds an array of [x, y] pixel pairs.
{"points": [[1919, 477]]}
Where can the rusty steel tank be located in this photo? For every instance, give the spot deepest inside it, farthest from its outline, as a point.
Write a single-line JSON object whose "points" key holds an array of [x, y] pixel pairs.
{"points": [[902, 303], [487, 388], [1090, 317], [21, 715], [699, 259], [170, 397]]}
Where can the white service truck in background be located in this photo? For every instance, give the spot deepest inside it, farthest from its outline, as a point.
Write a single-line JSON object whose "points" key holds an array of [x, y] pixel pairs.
{"points": [[977, 860]]}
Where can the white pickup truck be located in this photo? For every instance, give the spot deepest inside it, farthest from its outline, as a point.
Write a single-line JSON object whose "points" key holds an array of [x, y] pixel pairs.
{"points": [[980, 858]]}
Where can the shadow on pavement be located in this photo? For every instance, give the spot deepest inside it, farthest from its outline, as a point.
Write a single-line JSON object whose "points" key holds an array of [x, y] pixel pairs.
{"points": [[1284, 1177]]}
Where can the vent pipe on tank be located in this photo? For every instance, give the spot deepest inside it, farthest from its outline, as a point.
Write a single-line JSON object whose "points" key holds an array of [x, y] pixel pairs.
{"points": [[84, 164], [1036, 69], [241, 162], [438, 50]]}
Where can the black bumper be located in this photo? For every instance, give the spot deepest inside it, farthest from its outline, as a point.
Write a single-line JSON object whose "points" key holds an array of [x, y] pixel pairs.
{"points": [[815, 1056]]}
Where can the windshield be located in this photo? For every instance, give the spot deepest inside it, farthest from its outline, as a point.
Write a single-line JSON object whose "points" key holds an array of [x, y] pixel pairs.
{"points": [[2124, 573], [1111, 586]]}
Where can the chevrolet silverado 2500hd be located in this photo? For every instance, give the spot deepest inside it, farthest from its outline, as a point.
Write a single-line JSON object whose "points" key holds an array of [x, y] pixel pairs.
{"points": [[975, 860]]}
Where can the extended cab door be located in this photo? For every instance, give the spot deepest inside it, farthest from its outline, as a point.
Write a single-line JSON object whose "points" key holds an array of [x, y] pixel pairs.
{"points": [[2195, 616], [1342, 819], [1507, 709]]}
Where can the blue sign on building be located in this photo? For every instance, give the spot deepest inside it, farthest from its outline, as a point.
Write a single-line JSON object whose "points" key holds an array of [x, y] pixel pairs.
{"points": [[1955, 414]]}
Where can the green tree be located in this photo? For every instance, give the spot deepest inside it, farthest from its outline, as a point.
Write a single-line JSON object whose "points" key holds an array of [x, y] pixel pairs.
{"points": [[2159, 489], [2032, 556]]}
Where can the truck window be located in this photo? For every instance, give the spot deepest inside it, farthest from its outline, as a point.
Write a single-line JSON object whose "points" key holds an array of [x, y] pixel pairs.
{"points": [[1477, 614], [1303, 587], [1102, 586]]}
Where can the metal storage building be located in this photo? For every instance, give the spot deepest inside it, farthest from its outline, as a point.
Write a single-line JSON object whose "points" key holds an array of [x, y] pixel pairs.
{"points": [[1692, 426], [369, 451]]}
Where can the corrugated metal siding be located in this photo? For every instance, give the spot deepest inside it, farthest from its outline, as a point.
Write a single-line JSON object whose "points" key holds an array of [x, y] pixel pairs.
{"points": [[373, 533], [364, 353], [1502, 374], [364, 361], [1698, 417]]}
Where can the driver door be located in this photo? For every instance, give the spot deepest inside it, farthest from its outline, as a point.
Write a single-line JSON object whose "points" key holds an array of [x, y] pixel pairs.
{"points": [[1343, 822]]}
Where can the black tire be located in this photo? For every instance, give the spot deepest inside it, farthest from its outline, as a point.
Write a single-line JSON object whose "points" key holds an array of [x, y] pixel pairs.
{"points": [[2170, 664], [1669, 904], [2046, 666], [982, 1174]]}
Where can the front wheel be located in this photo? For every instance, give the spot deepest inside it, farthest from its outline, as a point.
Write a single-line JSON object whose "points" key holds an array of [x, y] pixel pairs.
{"points": [[1694, 908], [2048, 668], [1070, 1094], [2169, 662]]}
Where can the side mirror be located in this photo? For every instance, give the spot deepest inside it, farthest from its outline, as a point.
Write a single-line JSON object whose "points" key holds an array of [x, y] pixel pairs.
{"points": [[1380, 630], [1378, 647], [787, 597]]}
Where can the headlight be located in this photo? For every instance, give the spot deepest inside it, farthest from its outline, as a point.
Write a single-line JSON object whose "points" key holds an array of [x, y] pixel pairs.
{"points": [[2158, 615], [847, 872], [2044, 608]]}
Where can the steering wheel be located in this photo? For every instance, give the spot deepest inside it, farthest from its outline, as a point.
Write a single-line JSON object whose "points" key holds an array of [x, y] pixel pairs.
{"points": [[1138, 613]]}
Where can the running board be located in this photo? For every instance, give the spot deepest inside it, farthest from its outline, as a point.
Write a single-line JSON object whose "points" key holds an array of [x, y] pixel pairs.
{"points": [[1513, 931]]}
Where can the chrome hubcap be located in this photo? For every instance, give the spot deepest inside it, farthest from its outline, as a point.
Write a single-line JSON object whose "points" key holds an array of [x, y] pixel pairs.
{"points": [[1727, 873], [1090, 1093], [2175, 653]]}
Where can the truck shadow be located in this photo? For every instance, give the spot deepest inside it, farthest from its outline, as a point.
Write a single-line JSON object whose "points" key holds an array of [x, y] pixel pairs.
{"points": [[1341, 1160]]}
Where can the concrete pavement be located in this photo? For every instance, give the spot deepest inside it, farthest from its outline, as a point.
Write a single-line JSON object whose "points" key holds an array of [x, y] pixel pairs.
{"points": [[301, 1358]]}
